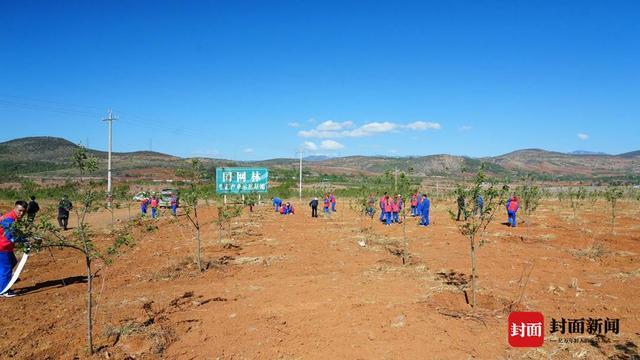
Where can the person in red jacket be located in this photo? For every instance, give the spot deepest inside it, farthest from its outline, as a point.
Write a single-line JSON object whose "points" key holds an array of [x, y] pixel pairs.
{"points": [[395, 209], [325, 205], [154, 206], [8, 238], [388, 209], [414, 204], [513, 204], [143, 206]]}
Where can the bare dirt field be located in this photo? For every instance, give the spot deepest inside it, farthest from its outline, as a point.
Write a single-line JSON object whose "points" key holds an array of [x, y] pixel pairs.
{"points": [[294, 287]]}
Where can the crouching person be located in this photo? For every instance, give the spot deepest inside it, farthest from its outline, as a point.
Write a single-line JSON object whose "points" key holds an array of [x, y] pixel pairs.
{"points": [[8, 238]]}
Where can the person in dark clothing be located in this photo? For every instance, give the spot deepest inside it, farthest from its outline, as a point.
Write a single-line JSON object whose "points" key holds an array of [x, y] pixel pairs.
{"points": [[32, 209], [314, 207], [64, 206], [479, 208], [461, 208]]}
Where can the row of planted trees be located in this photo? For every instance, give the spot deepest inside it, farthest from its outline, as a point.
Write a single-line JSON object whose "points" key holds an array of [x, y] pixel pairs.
{"points": [[87, 199], [494, 193]]}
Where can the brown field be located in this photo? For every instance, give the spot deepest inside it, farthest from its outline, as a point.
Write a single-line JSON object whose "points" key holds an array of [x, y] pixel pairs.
{"points": [[296, 287]]}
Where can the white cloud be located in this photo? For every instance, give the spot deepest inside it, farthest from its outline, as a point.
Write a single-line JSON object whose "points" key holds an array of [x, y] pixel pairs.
{"points": [[423, 125], [314, 133], [334, 126], [294, 124], [247, 151], [330, 145], [465, 128], [308, 145], [331, 129], [583, 136], [374, 128]]}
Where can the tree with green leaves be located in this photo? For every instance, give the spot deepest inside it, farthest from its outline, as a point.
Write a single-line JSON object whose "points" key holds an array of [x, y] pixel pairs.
{"points": [[530, 195], [613, 194], [474, 226], [577, 197], [81, 239], [226, 213], [250, 200], [190, 198]]}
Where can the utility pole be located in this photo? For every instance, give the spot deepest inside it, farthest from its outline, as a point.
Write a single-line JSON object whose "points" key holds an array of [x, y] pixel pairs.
{"points": [[395, 173], [300, 191], [109, 197]]}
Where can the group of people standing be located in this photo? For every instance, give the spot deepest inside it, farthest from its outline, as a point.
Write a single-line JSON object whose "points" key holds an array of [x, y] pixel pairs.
{"points": [[391, 208], [328, 205], [154, 203], [512, 205]]}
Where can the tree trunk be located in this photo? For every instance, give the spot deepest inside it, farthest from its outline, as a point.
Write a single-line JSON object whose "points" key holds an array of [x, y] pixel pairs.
{"points": [[199, 259], [89, 306], [473, 272], [404, 237]]}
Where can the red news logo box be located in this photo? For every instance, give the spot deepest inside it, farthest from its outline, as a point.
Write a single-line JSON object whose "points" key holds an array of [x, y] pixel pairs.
{"points": [[526, 329]]}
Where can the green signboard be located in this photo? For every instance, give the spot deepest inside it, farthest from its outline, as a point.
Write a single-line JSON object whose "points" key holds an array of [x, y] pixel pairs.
{"points": [[234, 180]]}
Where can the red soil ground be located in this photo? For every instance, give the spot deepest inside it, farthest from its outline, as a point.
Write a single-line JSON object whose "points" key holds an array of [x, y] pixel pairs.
{"points": [[297, 287]]}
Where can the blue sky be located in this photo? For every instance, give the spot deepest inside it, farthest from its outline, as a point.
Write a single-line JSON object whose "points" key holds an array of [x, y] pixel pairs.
{"points": [[261, 79]]}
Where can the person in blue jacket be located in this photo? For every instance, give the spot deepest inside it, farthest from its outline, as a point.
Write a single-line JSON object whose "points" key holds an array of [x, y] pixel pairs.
{"points": [[479, 208], [423, 210], [8, 238], [277, 202]]}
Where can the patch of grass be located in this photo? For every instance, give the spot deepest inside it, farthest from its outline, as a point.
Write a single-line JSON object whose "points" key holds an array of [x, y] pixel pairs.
{"points": [[595, 251]]}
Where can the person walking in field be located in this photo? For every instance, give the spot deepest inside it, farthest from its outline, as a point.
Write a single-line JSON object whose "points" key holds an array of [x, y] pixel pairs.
{"points": [[370, 205], [513, 204], [174, 204], [479, 208], [423, 210], [325, 205], [154, 206], [383, 202], [32, 209], [395, 210], [64, 206], [144, 203], [414, 204], [314, 207], [388, 209], [8, 238], [461, 208], [332, 199]]}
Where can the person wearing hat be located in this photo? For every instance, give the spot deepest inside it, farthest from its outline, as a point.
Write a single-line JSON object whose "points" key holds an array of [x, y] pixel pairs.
{"points": [[314, 207]]}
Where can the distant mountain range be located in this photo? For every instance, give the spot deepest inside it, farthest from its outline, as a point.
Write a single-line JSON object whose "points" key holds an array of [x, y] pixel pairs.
{"points": [[51, 157], [585, 152]]}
